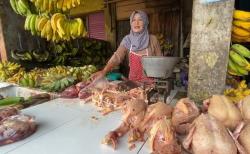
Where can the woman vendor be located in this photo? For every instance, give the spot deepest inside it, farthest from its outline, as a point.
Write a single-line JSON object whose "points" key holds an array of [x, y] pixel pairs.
{"points": [[136, 44]]}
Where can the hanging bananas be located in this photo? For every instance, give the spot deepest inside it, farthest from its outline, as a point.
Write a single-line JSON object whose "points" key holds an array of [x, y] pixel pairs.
{"points": [[21, 7], [58, 28], [241, 26], [56, 5], [238, 64]]}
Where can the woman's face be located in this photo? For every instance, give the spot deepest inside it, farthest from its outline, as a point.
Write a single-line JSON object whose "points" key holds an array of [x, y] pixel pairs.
{"points": [[137, 23]]}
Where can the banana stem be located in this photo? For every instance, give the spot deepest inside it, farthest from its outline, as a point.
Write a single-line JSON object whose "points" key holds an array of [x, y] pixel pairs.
{"points": [[38, 43], [20, 41]]}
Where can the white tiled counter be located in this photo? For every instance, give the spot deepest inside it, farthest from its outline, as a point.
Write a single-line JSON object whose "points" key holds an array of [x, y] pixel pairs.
{"points": [[66, 126]]}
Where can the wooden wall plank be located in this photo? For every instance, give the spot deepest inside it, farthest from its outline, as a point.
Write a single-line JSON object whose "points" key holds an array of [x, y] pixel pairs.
{"points": [[3, 52]]}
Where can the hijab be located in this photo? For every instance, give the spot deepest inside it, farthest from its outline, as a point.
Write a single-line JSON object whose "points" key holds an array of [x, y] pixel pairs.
{"points": [[140, 40]]}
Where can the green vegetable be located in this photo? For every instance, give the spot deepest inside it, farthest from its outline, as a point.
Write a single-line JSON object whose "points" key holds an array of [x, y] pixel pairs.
{"points": [[11, 101]]}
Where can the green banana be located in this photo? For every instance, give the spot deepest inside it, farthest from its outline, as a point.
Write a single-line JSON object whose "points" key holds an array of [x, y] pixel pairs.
{"points": [[14, 6], [33, 24], [27, 22], [22, 7], [240, 49], [238, 59], [241, 70], [13, 54]]}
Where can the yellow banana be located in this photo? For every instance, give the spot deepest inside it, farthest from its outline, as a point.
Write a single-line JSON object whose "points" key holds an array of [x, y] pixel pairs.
{"points": [[45, 5], [42, 23], [241, 15], [69, 4], [43, 32], [243, 24], [241, 32], [54, 20], [60, 27], [80, 26], [64, 6], [59, 4], [49, 32]]}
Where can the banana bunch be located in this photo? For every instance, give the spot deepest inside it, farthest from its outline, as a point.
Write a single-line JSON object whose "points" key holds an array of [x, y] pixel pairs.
{"points": [[67, 28], [58, 28], [21, 7], [238, 93], [8, 69], [62, 70], [165, 46], [40, 56], [57, 79], [241, 26], [56, 5], [16, 78], [238, 64], [21, 55], [32, 55], [28, 80], [83, 73], [57, 84]]}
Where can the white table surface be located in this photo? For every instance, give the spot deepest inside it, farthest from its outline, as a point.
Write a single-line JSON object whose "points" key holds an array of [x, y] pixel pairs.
{"points": [[65, 126]]}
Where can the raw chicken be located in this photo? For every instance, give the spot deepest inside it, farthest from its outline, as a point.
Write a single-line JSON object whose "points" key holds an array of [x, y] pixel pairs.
{"points": [[154, 113], [85, 93], [134, 112], [163, 139], [209, 136], [7, 112], [70, 92], [183, 115], [243, 137], [109, 100], [224, 110], [244, 107], [81, 85]]}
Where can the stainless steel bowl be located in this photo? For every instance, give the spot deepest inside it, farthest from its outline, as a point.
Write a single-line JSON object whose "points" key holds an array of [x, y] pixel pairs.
{"points": [[159, 66]]}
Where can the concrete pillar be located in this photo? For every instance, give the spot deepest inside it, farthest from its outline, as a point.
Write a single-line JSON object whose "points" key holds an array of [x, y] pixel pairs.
{"points": [[210, 42]]}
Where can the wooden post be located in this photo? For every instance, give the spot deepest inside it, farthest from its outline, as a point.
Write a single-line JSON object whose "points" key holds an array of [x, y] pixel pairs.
{"points": [[210, 42], [110, 24]]}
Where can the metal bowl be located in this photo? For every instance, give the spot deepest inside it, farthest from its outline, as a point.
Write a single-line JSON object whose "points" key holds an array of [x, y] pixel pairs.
{"points": [[159, 66]]}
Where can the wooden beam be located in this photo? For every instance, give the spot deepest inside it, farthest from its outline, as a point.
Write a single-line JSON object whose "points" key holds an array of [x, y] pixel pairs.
{"points": [[210, 42], [110, 24], [3, 52]]}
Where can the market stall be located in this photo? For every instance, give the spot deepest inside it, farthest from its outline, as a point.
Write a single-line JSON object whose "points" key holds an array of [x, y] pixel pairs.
{"points": [[62, 93]]}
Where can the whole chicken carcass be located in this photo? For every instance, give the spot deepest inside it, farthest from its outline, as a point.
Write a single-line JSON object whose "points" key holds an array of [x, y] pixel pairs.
{"points": [[244, 107], [209, 136], [244, 138], [224, 110], [134, 112], [154, 113], [163, 139], [183, 115]]}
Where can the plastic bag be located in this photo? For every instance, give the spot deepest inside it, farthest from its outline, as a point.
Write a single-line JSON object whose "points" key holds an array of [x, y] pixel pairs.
{"points": [[15, 128]]}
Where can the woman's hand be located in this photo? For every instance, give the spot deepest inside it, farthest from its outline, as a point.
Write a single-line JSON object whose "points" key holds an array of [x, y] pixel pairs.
{"points": [[97, 75]]}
